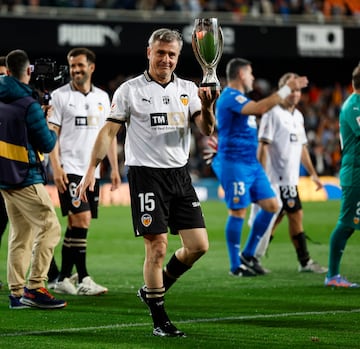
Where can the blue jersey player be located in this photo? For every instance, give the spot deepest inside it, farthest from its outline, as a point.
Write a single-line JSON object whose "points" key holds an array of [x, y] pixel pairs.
{"points": [[239, 172]]}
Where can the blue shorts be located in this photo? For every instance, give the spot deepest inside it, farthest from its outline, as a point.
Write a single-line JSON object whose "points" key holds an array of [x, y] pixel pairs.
{"points": [[243, 183]]}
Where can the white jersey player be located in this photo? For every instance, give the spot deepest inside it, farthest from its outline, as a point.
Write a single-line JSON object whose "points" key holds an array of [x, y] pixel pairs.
{"points": [[284, 131], [158, 117], [282, 148], [81, 117], [157, 108], [79, 110]]}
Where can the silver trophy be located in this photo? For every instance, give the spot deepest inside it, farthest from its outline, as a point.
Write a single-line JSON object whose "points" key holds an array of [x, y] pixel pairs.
{"points": [[208, 44]]}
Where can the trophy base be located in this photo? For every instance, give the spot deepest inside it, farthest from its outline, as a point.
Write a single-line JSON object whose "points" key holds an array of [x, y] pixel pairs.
{"points": [[213, 86]]}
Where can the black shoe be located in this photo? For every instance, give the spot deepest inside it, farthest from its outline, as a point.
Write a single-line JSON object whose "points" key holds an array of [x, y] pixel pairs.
{"points": [[242, 271], [167, 330], [253, 264]]}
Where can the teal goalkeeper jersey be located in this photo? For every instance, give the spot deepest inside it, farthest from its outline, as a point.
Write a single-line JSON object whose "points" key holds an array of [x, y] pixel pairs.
{"points": [[350, 141]]}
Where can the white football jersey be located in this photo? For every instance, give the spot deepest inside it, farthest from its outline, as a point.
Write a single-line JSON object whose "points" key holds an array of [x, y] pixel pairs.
{"points": [[80, 118], [157, 119], [285, 133]]}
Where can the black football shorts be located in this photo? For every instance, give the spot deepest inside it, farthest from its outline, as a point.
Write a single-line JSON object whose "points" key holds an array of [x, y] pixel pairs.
{"points": [[289, 195], [70, 203], [162, 199]]}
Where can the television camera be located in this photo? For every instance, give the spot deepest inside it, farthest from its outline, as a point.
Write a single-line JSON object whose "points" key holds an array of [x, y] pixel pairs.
{"points": [[47, 76]]}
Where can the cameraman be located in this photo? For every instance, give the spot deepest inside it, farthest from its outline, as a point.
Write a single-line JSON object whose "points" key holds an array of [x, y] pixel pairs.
{"points": [[34, 227], [3, 215]]}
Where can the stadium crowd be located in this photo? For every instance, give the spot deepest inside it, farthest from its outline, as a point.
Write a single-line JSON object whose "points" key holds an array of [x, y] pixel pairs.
{"points": [[240, 7]]}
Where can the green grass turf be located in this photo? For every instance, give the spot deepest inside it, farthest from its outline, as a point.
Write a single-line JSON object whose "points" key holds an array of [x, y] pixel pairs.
{"points": [[284, 309]]}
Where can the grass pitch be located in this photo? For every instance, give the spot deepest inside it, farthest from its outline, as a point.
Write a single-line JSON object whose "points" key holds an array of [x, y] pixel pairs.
{"points": [[284, 309]]}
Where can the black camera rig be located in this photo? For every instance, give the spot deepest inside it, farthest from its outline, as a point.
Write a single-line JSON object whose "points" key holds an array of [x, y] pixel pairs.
{"points": [[47, 76]]}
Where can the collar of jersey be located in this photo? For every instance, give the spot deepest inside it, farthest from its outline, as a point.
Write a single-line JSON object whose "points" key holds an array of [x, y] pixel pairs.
{"points": [[73, 88], [149, 78]]}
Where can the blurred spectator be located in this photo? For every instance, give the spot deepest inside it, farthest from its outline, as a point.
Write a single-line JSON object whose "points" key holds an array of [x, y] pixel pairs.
{"points": [[341, 7], [192, 6], [209, 5], [124, 4], [236, 6], [282, 7], [159, 5], [321, 160], [266, 7], [313, 7], [337, 97], [336, 157], [314, 93], [7, 5]]}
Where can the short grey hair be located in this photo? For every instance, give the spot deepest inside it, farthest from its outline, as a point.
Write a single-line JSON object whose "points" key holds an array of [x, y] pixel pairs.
{"points": [[166, 35]]}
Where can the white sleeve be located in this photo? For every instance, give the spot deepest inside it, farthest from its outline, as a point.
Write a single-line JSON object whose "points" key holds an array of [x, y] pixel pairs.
{"points": [[267, 127], [55, 116], [119, 105], [195, 102]]}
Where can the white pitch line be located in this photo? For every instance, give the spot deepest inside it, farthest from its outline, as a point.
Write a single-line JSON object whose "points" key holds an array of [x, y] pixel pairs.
{"points": [[218, 319]]}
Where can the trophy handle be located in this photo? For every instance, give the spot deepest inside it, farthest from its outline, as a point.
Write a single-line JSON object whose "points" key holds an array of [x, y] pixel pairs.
{"points": [[208, 43], [219, 52]]}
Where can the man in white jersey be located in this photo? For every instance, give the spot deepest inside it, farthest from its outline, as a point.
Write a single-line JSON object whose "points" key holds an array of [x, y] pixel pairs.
{"points": [[79, 111], [282, 147], [157, 108]]}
